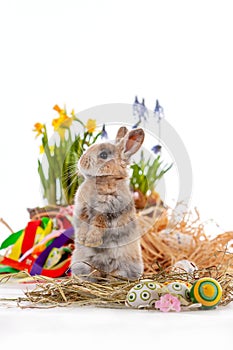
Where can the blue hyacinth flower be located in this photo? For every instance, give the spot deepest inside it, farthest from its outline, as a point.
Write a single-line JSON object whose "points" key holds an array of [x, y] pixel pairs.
{"points": [[143, 112], [136, 106], [158, 111], [104, 134], [156, 149]]}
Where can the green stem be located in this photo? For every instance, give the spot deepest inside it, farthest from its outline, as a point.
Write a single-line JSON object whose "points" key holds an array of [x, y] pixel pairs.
{"points": [[51, 193]]}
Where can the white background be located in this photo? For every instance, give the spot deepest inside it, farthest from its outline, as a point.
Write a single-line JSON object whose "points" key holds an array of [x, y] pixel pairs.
{"points": [[87, 53]]}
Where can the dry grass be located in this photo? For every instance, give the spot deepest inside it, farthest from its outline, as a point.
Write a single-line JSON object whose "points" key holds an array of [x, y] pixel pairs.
{"points": [[183, 239], [110, 292]]}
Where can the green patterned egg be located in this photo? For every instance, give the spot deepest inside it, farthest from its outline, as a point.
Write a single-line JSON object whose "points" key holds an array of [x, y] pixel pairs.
{"points": [[143, 294], [179, 288]]}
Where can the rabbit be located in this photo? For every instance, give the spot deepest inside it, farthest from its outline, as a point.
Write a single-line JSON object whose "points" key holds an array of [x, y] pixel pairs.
{"points": [[107, 238]]}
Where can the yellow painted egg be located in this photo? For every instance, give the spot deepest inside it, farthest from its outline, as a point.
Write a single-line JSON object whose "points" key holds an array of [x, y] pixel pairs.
{"points": [[206, 291], [143, 294]]}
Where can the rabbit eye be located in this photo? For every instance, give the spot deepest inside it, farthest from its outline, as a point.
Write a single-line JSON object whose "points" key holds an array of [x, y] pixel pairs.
{"points": [[103, 155]]}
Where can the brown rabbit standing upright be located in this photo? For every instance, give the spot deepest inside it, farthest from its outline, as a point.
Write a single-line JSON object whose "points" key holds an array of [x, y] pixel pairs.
{"points": [[106, 234]]}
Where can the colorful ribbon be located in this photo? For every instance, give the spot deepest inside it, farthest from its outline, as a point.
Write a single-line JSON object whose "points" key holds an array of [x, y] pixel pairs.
{"points": [[32, 249]]}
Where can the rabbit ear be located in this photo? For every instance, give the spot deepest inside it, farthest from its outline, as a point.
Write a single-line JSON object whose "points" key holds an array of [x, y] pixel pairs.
{"points": [[121, 133], [133, 141]]}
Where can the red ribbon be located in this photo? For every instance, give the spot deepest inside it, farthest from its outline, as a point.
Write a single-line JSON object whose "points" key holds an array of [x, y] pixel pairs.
{"points": [[29, 235]]}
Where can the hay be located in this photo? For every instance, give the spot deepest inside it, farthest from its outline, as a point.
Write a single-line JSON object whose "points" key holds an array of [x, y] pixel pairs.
{"points": [[182, 239], [110, 292]]}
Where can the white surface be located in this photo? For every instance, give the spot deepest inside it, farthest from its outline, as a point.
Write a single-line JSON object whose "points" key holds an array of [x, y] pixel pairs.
{"points": [[86, 53], [104, 328], [86, 327], [113, 328]]}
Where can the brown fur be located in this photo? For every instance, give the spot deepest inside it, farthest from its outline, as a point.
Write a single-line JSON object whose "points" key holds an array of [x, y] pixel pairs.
{"points": [[106, 232]]}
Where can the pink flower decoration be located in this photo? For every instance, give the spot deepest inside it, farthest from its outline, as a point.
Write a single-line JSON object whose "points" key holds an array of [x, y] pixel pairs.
{"points": [[167, 303]]}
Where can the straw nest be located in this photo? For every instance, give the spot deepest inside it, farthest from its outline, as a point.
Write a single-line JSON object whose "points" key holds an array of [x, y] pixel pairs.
{"points": [[167, 240]]}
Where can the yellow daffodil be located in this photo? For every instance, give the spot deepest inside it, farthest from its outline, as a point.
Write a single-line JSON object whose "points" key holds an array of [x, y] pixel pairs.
{"points": [[63, 121], [66, 121], [41, 149], [91, 125], [39, 129], [57, 108], [56, 123]]}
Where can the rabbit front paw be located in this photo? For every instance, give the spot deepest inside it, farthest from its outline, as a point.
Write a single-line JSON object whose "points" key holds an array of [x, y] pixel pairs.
{"points": [[89, 237], [82, 234], [94, 238]]}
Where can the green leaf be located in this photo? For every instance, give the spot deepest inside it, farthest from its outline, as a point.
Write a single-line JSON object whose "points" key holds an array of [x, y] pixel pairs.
{"points": [[146, 174]]}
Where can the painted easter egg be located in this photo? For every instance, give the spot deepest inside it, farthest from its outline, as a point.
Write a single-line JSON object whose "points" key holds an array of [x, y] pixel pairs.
{"points": [[184, 266], [206, 291], [143, 294], [178, 288], [176, 237]]}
